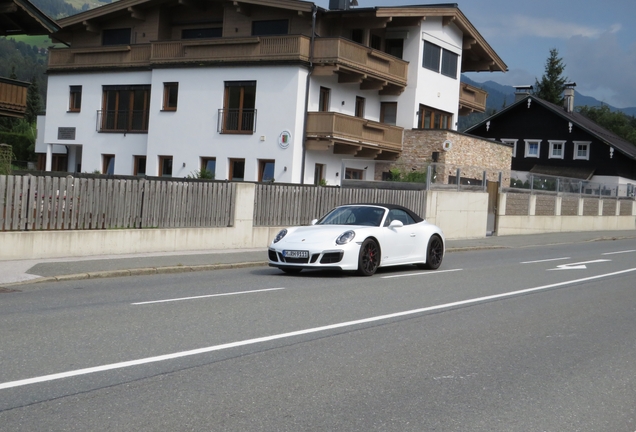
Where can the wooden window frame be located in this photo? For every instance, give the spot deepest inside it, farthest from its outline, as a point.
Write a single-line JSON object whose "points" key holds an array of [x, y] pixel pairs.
{"points": [[587, 145], [75, 98], [243, 117], [204, 165], [262, 164], [168, 89], [106, 159], [231, 170], [162, 159], [324, 99], [110, 121], [441, 120], [359, 108], [530, 142], [349, 171], [136, 163], [319, 173], [553, 146], [383, 107]]}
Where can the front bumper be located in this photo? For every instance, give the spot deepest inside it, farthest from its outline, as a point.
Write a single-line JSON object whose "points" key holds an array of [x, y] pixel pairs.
{"points": [[331, 259]]}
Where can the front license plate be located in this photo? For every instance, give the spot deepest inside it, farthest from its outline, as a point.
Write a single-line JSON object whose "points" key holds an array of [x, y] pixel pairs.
{"points": [[295, 254]]}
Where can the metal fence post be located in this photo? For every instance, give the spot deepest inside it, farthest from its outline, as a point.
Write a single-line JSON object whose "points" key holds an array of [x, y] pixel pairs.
{"points": [[457, 174], [484, 181]]}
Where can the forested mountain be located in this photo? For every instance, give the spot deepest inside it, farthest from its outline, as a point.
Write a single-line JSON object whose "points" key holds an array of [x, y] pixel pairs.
{"points": [[24, 62]]}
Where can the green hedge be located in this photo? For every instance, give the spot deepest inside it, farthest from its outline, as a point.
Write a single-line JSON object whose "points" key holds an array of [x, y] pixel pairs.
{"points": [[23, 145]]}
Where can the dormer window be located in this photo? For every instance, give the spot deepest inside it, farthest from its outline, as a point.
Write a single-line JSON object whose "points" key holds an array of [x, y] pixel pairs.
{"points": [[116, 37]]}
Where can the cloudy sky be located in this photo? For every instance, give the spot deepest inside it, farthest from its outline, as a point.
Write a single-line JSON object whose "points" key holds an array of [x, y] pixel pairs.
{"points": [[596, 40]]}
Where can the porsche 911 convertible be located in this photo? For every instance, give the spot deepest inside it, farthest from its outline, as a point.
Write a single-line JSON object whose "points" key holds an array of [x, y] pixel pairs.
{"points": [[361, 238]]}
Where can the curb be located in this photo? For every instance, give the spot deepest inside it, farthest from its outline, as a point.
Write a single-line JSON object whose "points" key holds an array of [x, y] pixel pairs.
{"points": [[132, 272]]}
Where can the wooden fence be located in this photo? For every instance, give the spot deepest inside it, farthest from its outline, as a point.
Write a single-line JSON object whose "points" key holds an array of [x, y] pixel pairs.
{"points": [[284, 205], [67, 203]]}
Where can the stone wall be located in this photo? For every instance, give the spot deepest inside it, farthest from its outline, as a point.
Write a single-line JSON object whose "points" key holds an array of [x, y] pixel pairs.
{"points": [[466, 151]]}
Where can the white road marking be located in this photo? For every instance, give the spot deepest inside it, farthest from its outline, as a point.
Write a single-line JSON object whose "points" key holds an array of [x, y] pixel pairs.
{"points": [[421, 273], [205, 296], [619, 252], [578, 266], [545, 260], [176, 355]]}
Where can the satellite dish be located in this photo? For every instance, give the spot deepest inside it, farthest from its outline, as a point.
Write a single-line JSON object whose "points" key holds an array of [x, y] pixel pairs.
{"points": [[447, 145]]}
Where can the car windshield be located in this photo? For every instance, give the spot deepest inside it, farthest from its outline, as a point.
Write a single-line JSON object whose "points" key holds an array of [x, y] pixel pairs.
{"points": [[354, 215]]}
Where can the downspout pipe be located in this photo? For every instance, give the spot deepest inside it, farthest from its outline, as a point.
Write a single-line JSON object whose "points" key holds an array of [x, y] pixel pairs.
{"points": [[314, 11]]}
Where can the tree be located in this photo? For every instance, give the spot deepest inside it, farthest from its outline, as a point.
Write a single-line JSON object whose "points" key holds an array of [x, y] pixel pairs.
{"points": [[552, 83], [34, 104], [617, 122]]}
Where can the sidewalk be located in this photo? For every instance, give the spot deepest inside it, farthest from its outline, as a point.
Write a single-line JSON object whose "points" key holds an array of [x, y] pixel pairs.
{"points": [[45, 270]]}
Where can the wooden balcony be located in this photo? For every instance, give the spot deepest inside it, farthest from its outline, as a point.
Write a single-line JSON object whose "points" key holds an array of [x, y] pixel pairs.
{"points": [[471, 99], [13, 97], [352, 62], [353, 135]]}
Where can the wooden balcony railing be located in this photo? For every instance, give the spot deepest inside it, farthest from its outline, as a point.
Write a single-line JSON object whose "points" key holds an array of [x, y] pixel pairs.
{"points": [[13, 97], [471, 99], [349, 56], [360, 135]]}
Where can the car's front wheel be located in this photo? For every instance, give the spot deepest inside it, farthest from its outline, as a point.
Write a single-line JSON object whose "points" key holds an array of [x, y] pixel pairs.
{"points": [[434, 253], [368, 258]]}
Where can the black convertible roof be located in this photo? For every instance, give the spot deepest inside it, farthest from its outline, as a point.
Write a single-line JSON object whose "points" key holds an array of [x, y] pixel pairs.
{"points": [[411, 213]]}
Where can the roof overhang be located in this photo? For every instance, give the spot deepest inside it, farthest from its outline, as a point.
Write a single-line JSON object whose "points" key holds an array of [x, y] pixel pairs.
{"points": [[21, 17]]}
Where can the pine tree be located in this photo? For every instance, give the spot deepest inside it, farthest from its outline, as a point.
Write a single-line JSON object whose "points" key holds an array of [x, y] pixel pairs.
{"points": [[552, 83], [34, 104]]}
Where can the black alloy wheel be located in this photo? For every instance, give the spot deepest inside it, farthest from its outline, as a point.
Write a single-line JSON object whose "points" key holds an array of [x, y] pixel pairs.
{"points": [[434, 253], [369, 258]]}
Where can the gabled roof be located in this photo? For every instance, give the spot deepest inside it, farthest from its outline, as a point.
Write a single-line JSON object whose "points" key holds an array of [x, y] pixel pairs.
{"points": [[21, 17], [578, 120]]}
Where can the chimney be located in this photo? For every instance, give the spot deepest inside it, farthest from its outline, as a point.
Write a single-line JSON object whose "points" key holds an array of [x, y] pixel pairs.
{"points": [[342, 4], [521, 92], [568, 97]]}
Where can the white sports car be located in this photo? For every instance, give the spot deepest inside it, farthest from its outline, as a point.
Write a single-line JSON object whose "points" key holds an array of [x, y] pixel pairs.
{"points": [[359, 237]]}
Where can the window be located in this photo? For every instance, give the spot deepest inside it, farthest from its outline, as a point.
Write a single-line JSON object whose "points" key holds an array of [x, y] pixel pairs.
{"points": [[270, 27], [319, 174], [431, 56], [395, 47], [376, 42], [170, 96], [108, 164], [140, 166], [533, 148], [266, 170], [323, 102], [202, 33], [556, 149], [75, 102], [125, 108], [359, 107], [581, 150], [449, 64], [116, 37], [237, 169], [238, 114], [398, 214], [209, 166], [354, 174], [388, 112], [431, 118], [357, 35], [165, 166]]}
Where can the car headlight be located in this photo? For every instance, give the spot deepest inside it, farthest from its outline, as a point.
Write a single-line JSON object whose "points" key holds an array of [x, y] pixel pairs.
{"points": [[345, 237], [280, 236]]}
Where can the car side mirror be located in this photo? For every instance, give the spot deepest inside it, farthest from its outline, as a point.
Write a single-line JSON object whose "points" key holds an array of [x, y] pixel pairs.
{"points": [[396, 224], [313, 222]]}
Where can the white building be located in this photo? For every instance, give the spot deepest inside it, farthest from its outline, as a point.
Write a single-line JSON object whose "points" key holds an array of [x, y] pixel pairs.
{"points": [[243, 90]]}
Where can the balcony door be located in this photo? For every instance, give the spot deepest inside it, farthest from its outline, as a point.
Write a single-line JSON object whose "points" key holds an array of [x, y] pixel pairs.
{"points": [[239, 112]]}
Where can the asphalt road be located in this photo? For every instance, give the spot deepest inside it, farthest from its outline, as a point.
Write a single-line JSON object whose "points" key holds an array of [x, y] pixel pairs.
{"points": [[528, 339]]}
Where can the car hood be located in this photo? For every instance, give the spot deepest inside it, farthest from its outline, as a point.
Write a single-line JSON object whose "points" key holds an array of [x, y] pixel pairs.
{"points": [[317, 234]]}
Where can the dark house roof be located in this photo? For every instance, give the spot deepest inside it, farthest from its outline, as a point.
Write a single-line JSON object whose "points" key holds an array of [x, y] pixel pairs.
{"points": [[21, 17], [578, 120]]}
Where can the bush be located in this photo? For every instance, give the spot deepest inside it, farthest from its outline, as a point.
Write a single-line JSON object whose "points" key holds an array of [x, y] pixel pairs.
{"points": [[23, 145]]}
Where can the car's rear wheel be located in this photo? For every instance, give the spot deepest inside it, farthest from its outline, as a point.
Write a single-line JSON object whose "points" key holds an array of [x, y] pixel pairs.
{"points": [[434, 253], [368, 258], [291, 270]]}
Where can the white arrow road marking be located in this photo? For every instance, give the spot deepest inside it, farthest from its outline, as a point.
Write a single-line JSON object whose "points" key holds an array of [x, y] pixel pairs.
{"points": [[577, 266]]}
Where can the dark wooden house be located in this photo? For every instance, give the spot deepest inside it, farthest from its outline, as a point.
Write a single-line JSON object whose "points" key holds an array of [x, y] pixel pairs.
{"points": [[554, 140]]}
